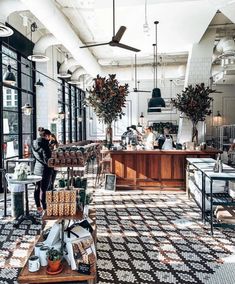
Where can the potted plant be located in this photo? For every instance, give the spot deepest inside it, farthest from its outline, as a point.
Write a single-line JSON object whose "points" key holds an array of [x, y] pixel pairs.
{"points": [[54, 259], [195, 103], [107, 98]]}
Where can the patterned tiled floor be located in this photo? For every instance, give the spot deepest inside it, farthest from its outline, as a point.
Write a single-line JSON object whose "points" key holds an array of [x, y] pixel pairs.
{"points": [[143, 237], [146, 237]]}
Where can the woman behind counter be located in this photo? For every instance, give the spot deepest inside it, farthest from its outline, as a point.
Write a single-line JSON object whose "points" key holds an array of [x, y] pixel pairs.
{"points": [[165, 140], [149, 138]]}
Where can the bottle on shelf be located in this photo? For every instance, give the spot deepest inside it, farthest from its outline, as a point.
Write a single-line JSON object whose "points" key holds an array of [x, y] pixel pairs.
{"points": [[218, 167]]}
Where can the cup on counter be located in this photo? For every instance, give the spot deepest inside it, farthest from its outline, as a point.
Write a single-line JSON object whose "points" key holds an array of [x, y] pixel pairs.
{"points": [[37, 248], [43, 255], [34, 263]]}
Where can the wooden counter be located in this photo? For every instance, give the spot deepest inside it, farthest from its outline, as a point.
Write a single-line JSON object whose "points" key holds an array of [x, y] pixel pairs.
{"points": [[156, 169]]}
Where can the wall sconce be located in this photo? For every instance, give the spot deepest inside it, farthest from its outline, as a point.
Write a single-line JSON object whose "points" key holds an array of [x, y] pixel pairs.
{"points": [[79, 119], [61, 114], [217, 119], [27, 109], [54, 119]]}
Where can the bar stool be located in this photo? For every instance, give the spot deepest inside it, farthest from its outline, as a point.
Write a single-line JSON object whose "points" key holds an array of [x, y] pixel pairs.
{"points": [[103, 166]]}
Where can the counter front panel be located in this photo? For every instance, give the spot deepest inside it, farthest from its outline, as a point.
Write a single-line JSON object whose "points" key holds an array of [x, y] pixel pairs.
{"points": [[157, 168]]}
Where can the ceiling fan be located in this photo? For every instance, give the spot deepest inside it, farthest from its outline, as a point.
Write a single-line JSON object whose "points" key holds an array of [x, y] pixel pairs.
{"points": [[136, 88], [115, 38]]}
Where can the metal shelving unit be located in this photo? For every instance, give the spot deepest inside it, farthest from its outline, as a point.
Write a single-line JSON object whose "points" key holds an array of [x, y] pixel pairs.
{"points": [[205, 166]]}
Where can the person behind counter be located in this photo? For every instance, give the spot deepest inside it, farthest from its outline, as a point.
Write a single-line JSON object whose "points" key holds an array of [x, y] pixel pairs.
{"points": [[149, 138], [165, 141]]}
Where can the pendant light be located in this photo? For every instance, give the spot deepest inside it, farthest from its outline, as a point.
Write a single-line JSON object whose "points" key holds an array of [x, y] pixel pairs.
{"points": [[218, 119], [146, 28], [141, 119], [9, 77], [27, 108], [5, 31], [156, 102]]}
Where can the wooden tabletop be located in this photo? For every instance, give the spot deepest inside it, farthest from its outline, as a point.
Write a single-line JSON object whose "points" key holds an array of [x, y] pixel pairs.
{"points": [[67, 274]]}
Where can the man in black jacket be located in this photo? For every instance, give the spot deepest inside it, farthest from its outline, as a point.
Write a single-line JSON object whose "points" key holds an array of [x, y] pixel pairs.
{"points": [[42, 153]]}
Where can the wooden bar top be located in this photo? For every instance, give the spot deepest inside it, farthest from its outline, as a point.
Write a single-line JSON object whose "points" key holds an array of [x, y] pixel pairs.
{"points": [[166, 152]]}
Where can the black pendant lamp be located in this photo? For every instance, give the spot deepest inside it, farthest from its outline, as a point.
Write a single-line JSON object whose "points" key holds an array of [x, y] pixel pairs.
{"points": [[39, 83], [9, 77], [156, 102]]}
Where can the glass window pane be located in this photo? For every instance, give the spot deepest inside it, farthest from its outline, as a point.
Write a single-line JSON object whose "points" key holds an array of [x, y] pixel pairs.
{"points": [[26, 82], [60, 137], [25, 66], [27, 98], [10, 122], [4, 70], [10, 99], [9, 52], [10, 146], [27, 142], [27, 123], [60, 95], [67, 138]]}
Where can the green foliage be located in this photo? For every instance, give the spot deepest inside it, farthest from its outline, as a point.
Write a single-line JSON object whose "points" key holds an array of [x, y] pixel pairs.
{"points": [[54, 254], [194, 102], [107, 98]]}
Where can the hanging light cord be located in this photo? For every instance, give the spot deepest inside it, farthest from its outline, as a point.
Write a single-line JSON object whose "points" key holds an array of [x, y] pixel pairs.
{"points": [[145, 12], [156, 23], [154, 69]]}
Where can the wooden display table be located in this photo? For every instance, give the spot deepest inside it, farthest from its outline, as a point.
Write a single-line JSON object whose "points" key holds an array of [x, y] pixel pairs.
{"points": [[157, 169], [67, 275]]}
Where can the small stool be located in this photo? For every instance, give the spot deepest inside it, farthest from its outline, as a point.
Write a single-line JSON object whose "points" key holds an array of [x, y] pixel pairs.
{"points": [[104, 167]]}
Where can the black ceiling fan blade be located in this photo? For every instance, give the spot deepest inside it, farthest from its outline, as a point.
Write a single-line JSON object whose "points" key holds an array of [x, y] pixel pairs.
{"points": [[92, 45], [121, 45], [119, 34]]}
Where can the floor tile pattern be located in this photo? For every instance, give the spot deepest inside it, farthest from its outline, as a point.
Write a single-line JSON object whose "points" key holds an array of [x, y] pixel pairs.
{"points": [[157, 238]]}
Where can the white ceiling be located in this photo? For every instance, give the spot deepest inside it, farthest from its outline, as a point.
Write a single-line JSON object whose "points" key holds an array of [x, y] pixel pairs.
{"points": [[182, 23]]}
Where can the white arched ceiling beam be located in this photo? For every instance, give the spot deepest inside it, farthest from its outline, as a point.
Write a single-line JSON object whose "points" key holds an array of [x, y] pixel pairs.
{"points": [[39, 51], [54, 20]]}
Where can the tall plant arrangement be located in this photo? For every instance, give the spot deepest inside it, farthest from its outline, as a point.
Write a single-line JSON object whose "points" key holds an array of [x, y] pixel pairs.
{"points": [[107, 98], [195, 103]]}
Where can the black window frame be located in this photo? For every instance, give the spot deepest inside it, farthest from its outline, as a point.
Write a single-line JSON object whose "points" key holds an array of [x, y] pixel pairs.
{"points": [[21, 52], [80, 111]]}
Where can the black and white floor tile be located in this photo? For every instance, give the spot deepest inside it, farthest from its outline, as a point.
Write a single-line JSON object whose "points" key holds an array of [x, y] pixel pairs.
{"points": [[143, 238], [147, 237]]}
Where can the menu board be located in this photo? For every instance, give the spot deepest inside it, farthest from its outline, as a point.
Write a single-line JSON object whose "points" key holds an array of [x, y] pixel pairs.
{"points": [[110, 182]]}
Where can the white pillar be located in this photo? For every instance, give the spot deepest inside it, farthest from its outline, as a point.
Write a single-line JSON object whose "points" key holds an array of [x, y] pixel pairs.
{"points": [[198, 71]]}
